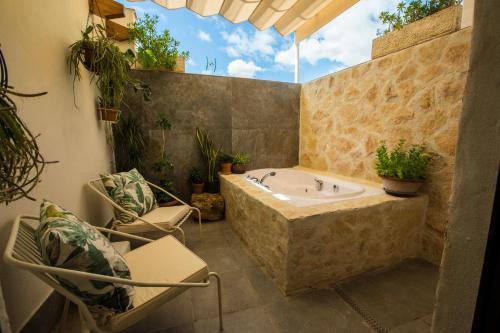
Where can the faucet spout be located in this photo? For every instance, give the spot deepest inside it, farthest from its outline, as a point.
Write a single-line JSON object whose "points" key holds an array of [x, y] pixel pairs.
{"points": [[272, 173]]}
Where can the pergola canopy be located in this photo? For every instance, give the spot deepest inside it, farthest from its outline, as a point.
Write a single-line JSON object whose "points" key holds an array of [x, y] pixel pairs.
{"points": [[304, 17]]}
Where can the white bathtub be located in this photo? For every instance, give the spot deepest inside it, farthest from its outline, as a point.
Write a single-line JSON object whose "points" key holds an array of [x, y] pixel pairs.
{"points": [[302, 188]]}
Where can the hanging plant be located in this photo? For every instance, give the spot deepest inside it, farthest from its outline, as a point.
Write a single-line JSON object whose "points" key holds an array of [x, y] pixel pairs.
{"points": [[108, 66], [21, 163]]}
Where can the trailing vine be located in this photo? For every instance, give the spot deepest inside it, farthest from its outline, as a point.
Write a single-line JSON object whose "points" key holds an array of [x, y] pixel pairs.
{"points": [[21, 163]]}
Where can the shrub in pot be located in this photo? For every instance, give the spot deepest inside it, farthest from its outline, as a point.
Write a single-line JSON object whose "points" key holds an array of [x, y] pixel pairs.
{"points": [[210, 153], [226, 162], [240, 161], [196, 181], [402, 170]]}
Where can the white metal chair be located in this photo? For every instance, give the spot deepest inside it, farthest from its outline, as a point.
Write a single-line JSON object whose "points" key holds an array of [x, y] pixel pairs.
{"points": [[160, 270], [166, 219]]}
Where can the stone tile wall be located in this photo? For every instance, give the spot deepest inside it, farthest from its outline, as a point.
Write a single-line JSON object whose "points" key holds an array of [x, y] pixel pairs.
{"points": [[415, 94], [260, 118]]}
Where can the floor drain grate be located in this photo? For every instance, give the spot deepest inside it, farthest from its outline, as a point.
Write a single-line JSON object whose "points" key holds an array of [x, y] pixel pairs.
{"points": [[367, 317]]}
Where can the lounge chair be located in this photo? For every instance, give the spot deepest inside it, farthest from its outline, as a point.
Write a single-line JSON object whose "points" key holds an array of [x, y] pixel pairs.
{"points": [[177, 270], [166, 219]]}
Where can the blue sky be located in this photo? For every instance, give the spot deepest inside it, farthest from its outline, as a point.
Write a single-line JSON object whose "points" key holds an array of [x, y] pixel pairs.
{"points": [[243, 51]]}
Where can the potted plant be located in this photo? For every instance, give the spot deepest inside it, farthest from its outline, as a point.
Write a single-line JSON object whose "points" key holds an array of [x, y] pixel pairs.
{"points": [[196, 180], [240, 161], [163, 166], [226, 162], [155, 50], [402, 170], [210, 153], [108, 66]]}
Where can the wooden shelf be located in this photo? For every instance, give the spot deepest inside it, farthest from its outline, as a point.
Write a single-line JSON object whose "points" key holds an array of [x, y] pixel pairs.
{"points": [[106, 8], [116, 31]]}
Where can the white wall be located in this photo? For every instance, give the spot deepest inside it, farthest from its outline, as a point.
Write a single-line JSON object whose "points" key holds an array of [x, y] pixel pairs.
{"points": [[34, 36], [467, 13]]}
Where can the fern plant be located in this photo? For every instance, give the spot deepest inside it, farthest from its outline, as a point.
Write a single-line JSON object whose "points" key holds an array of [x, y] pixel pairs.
{"points": [[403, 163]]}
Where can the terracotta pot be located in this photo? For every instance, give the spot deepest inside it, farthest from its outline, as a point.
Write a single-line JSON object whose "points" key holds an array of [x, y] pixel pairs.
{"points": [[168, 204], [212, 187], [109, 114], [88, 57], [399, 187], [198, 188], [225, 168], [239, 168]]}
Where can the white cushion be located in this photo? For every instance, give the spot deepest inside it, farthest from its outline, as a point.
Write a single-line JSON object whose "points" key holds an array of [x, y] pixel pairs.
{"points": [[164, 260], [165, 217]]}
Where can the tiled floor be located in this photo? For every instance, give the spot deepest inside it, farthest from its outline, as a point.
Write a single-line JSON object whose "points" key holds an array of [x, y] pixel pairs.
{"points": [[400, 299]]}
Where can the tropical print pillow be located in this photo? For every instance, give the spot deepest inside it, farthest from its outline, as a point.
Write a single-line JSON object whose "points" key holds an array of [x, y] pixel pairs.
{"points": [[65, 241], [131, 192]]}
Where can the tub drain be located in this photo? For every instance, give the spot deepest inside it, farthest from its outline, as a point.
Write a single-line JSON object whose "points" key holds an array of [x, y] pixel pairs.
{"points": [[367, 317]]}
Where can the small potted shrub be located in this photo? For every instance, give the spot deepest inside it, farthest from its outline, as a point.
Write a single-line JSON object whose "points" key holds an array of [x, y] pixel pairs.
{"points": [[240, 161], [196, 181], [226, 162], [402, 170]]}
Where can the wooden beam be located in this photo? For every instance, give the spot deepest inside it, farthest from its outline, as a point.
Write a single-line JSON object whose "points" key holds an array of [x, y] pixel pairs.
{"points": [[106, 8], [325, 16], [116, 31]]}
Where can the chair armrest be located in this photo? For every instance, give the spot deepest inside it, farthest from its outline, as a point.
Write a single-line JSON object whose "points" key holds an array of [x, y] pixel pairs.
{"points": [[123, 234]]}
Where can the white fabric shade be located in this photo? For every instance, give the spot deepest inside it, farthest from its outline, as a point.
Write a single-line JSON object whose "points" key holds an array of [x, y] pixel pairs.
{"points": [[301, 16]]}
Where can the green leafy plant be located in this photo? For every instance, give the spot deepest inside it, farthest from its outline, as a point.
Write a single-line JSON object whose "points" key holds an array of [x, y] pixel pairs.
{"points": [[241, 158], [131, 142], [409, 12], [403, 163], [108, 66], [226, 158], [154, 50], [163, 165], [195, 176], [208, 151]]}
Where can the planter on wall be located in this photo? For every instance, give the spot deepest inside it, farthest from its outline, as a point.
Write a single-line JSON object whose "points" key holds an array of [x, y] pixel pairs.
{"points": [[198, 188], [225, 168], [401, 187], [441, 23], [108, 114], [239, 168]]}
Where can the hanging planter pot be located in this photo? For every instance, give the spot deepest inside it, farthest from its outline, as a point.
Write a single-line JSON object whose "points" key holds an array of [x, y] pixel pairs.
{"points": [[88, 54], [109, 114]]}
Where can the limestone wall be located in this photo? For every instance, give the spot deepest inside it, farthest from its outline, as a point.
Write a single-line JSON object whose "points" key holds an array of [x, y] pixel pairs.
{"points": [[415, 94]]}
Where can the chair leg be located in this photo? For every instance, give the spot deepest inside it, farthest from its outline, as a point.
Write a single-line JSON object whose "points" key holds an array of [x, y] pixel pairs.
{"points": [[183, 236], [199, 217], [219, 295], [64, 317]]}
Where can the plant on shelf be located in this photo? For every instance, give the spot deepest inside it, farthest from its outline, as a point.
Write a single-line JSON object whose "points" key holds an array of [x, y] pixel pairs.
{"points": [[226, 162], [108, 66], [154, 51], [163, 166], [403, 170], [240, 160], [196, 180], [210, 153], [409, 12]]}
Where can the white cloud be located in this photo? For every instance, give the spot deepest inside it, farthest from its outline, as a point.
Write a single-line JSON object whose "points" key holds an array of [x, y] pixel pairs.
{"points": [[240, 43], [242, 68], [204, 36], [347, 39]]}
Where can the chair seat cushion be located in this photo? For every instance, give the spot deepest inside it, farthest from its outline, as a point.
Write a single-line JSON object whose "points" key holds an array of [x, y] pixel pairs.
{"points": [[67, 242], [130, 191], [164, 260], [165, 217]]}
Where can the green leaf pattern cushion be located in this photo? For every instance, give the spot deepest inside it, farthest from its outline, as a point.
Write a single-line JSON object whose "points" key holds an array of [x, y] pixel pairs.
{"points": [[65, 241], [131, 192]]}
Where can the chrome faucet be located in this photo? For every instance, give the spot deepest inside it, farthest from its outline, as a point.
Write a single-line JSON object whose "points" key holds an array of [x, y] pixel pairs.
{"points": [[319, 184], [272, 173]]}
